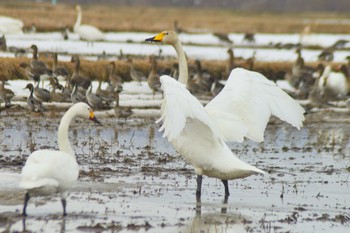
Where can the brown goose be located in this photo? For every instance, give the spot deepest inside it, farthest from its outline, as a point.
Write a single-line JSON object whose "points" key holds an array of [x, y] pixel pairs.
{"points": [[36, 73], [153, 76], [5, 94], [59, 72], [135, 74], [230, 65], [35, 61], [77, 78], [115, 81], [58, 96], [201, 77]]}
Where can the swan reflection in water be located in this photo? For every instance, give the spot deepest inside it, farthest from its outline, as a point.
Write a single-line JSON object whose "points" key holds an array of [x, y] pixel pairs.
{"points": [[216, 221]]}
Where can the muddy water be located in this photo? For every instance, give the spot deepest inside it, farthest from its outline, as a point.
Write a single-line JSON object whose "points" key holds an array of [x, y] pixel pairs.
{"points": [[132, 180]]}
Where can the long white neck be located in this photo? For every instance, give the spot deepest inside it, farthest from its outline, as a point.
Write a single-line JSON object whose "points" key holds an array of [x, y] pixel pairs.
{"points": [[79, 17], [63, 140], [183, 70]]}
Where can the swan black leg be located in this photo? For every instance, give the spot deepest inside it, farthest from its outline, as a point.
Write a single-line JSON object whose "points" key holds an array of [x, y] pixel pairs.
{"points": [[227, 192], [26, 199], [199, 187], [64, 204]]}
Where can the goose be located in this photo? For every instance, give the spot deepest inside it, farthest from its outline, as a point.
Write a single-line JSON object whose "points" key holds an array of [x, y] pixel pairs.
{"points": [[33, 104], [241, 110], [97, 101], [36, 73], [201, 77], [58, 96], [6, 94], [9, 25], [3, 43], [230, 65], [86, 32], [153, 76], [47, 172], [77, 78], [115, 81], [59, 72], [76, 96], [41, 93], [35, 62], [135, 74]]}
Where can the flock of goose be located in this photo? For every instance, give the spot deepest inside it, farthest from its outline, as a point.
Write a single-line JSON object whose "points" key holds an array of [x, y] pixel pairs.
{"points": [[200, 134]]}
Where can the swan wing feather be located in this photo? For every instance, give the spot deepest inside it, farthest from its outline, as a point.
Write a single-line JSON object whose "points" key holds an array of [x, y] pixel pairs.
{"points": [[179, 108], [244, 106]]}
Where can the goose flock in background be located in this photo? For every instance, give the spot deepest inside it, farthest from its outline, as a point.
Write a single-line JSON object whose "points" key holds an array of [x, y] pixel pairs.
{"points": [[240, 102]]}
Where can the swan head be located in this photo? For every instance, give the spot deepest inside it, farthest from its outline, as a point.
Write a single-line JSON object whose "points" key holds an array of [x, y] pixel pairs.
{"points": [[77, 7], [167, 37], [84, 110]]}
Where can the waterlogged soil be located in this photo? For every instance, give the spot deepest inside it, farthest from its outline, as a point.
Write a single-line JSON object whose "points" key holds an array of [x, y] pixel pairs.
{"points": [[132, 180]]}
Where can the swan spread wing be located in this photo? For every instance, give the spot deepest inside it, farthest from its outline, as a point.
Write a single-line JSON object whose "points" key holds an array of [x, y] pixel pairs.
{"points": [[244, 106], [190, 130], [180, 108]]}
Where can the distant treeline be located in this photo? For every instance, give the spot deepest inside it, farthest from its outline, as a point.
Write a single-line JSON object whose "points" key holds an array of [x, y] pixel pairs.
{"points": [[246, 5]]}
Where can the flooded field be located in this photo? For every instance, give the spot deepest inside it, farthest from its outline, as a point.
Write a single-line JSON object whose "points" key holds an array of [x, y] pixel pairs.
{"points": [[132, 180]]}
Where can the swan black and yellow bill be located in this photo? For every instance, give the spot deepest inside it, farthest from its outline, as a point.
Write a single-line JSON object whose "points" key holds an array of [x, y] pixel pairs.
{"points": [[93, 118], [157, 38]]}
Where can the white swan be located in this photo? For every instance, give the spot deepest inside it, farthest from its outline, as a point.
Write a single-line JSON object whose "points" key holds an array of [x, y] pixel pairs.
{"points": [[48, 171], [86, 32], [241, 110], [10, 25]]}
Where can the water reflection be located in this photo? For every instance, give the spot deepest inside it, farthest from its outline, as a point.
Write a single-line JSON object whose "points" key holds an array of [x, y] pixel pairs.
{"points": [[216, 221]]}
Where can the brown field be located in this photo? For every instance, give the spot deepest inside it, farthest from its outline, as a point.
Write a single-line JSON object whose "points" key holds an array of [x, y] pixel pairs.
{"points": [[96, 70], [125, 18]]}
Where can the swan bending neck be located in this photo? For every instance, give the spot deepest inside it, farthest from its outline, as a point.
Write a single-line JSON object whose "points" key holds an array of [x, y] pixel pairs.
{"points": [[183, 70]]}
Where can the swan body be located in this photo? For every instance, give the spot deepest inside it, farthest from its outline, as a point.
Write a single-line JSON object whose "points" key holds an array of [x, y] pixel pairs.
{"points": [[9, 25], [241, 110], [191, 130], [48, 171], [86, 32]]}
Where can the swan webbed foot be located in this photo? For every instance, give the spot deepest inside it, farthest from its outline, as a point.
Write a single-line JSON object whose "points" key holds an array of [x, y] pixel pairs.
{"points": [[199, 187], [26, 199], [227, 191]]}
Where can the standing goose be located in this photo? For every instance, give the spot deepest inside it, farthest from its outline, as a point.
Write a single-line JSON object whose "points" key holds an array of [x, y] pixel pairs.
{"points": [[33, 104], [59, 72], [153, 76], [47, 172], [35, 61], [241, 110], [114, 80], [77, 78], [86, 32], [36, 73], [5, 94], [41, 93], [135, 74]]}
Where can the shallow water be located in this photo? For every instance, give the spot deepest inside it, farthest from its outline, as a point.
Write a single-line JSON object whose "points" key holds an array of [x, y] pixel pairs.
{"points": [[133, 180]]}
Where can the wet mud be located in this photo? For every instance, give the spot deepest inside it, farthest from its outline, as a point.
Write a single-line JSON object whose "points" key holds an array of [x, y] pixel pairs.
{"points": [[132, 180]]}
